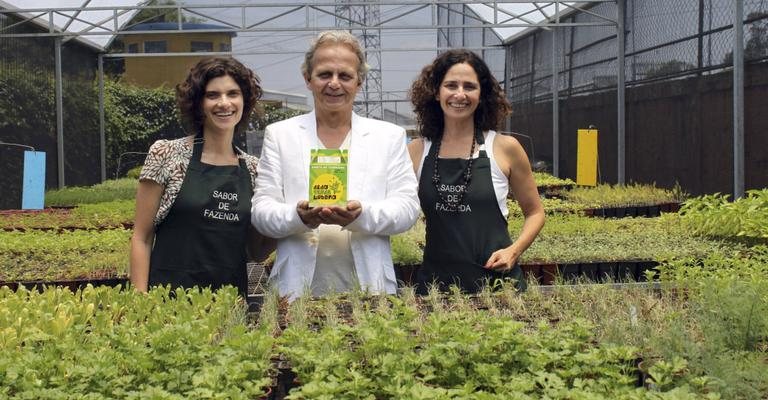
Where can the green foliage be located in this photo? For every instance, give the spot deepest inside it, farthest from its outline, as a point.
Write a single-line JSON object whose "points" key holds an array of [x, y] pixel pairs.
{"points": [[392, 349], [756, 47], [134, 172], [716, 216], [695, 333], [107, 191], [110, 214], [670, 67], [50, 256], [109, 343], [545, 179], [575, 344], [725, 318], [135, 117], [407, 246], [571, 237], [26, 101], [28, 114], [574, 238], [270, 113], [623, 195], [161, 14], [551, 206]]}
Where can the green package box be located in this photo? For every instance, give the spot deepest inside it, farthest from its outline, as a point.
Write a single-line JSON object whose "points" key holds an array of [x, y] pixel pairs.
{"points": [[328, 177]]}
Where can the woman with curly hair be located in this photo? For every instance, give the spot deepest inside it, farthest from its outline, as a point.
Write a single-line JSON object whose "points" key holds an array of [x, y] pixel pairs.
{"points": [[465, 172], [192, 225]]}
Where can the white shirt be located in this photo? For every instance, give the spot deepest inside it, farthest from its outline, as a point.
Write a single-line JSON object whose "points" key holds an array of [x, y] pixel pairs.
{"points": [[335, 266]]}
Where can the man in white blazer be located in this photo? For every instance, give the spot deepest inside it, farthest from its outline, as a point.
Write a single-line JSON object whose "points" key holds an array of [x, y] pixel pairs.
{"points": [[325, 249]]}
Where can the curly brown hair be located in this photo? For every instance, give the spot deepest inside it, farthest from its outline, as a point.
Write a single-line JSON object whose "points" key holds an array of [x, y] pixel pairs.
{"points": [[190, 92], [491, 111]]}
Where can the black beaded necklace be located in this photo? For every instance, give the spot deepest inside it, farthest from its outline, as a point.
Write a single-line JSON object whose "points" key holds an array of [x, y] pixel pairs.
{"points": [[453, 205]]}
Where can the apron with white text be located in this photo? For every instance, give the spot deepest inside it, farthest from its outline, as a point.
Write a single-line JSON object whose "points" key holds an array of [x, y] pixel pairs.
{"points": [[202, 240], [460, 239]]}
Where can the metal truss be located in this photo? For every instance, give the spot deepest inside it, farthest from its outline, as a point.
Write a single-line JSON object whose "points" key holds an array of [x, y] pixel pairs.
{"points": [[277, 13], [369, 14], [359, 16]]}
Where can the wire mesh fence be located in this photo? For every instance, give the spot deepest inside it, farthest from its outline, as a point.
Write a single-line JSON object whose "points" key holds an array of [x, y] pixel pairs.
{"points": [[28, 108], [664, 39]]}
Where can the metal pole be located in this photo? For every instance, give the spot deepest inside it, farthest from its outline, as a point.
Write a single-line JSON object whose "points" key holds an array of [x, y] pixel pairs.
{"points": [[59, 113], [738, 101], [620, 83], [507, 77], [700, 39], [555, 103], [102, 140]]}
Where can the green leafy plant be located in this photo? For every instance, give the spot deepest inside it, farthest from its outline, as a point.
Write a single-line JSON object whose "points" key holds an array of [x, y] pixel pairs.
{"points": [[407, 246], [568, 238], [544, 179], [623, 195], [134, 172], [113, 214], [270, 113], [551, 206], [715, 215], [135, 117], [110, 190], [105, 342], [40, 256], [574, 238], [394, 351]]}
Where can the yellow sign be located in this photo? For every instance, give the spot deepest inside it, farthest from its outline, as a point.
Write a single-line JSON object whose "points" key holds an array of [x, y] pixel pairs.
{"points": [[586, 157]]}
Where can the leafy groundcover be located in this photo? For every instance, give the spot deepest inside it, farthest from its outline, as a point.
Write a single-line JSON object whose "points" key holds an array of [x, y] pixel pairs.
{"points": [[107, 343], [702, 333]]}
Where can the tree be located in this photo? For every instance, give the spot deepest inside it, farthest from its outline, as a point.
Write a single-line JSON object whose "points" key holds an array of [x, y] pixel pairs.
{"points": [[146, 15], [757, 44], [670, 67]]}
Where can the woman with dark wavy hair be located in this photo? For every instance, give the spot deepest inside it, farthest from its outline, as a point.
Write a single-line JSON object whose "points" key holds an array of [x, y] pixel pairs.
{"points": [[192, 225], [465, 172]]}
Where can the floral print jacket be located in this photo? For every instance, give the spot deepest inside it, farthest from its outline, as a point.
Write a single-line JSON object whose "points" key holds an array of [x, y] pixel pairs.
{"points": [[167, 163]]}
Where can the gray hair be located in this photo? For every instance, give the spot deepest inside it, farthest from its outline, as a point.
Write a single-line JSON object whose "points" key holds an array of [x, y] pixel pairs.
{"points": [[336, 38]]}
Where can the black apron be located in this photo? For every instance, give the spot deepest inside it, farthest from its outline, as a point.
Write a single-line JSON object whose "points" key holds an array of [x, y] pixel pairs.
{"points": [[201, 242], [460, 239]]}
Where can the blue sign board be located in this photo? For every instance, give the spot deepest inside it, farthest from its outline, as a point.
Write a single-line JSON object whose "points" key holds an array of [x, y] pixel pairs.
{"points": [[33, 186]]}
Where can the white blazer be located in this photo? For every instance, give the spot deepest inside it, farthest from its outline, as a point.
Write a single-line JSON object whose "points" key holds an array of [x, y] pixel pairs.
{"points": [[380, 176]]}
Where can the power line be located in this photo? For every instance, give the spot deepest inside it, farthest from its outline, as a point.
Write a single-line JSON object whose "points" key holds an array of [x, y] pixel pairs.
{"points": [[278, 62]]}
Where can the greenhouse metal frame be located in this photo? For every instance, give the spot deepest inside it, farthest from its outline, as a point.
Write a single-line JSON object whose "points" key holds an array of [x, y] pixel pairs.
{"points": [[111, 25]]}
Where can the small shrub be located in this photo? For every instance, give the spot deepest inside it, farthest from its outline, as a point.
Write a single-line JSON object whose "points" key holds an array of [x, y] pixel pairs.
{"points": [[110, 190], [134, 172]]}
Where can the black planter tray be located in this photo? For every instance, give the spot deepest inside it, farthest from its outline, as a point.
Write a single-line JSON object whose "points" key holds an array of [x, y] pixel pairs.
{"points": [[594, 271], [68, 228], [546, 273], [650, 210], [654, 286], [553, 190], [406, 274], [73, 285]]}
